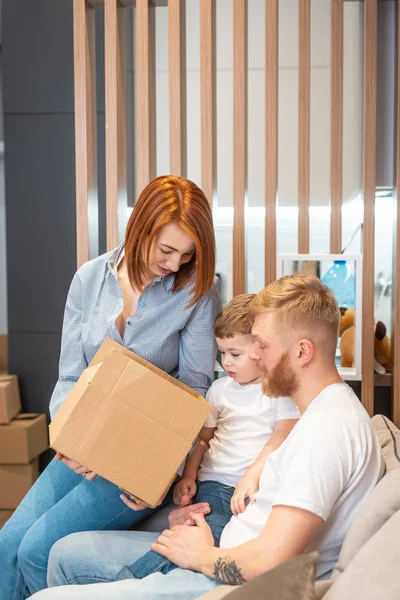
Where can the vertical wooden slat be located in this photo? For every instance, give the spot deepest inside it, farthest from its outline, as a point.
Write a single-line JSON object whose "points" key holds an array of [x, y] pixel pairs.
{"points": [[85, 131], [396, 265], [207, 95], [115, 83], [271, 136], [336, 166], [143, 95], [239, 141], [369, 184], [177, 86], [304, 127]]}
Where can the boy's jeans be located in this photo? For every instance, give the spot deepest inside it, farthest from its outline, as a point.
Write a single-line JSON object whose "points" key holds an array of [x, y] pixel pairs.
{"points": [[218, 496]]}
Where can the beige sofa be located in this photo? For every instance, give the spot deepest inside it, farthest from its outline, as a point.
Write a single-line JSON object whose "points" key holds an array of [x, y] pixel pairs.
{"points": [[369, 562]]}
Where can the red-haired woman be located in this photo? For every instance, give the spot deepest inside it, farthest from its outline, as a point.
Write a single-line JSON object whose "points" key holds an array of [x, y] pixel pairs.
{"points": [[156, 294]]}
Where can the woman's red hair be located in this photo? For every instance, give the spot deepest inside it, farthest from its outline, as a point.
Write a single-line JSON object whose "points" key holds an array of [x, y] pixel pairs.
{"points": [[170, 199]]}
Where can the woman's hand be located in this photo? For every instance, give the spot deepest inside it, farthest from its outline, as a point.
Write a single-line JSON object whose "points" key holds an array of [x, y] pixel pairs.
{"points": [[76, 467], [246, 488], [135, 503], [186, 546], [186, 487]]}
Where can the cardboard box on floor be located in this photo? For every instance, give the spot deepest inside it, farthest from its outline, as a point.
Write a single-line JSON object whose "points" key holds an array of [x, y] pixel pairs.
{"points": [[22, 440], [10, 401], [130, 422], [15, 483]]}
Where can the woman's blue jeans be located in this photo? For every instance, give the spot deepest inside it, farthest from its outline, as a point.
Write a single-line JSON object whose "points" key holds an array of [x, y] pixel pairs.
{"points": [[60, 502], [218, 495]]}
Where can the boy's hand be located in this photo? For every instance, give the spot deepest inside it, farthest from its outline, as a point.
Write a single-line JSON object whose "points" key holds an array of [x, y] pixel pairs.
{"points": [[181, 515], [185, 487], [246, 488]]}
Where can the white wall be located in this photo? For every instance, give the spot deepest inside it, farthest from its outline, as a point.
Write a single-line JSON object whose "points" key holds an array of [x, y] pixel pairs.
{"points": [[287, 98]]}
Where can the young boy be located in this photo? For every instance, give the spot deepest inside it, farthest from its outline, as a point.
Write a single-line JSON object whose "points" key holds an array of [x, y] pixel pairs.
{"points": [[244, 427]]}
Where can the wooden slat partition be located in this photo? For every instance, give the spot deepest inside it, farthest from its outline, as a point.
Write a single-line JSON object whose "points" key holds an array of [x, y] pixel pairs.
{"points": [[143, 95], [115, 83], [177, 86], [207, 97], [85, 131], [304, 127], [369, 184], [396, 265], [239, 141], [336, 159], [271, 136]]}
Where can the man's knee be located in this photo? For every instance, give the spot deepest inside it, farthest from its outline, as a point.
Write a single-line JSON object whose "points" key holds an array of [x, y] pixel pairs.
{"points": [[61, 555]]}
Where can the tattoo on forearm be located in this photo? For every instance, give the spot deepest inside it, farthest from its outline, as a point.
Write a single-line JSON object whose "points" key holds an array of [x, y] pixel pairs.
{"points": [[227, 571]]}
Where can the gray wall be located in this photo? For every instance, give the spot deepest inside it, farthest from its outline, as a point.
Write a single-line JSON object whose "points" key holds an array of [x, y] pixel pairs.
{"points": [[37, 60]]}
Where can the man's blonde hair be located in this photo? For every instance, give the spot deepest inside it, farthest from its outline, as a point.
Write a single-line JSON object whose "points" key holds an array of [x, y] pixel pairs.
{"points": [[234, 319], [300, 302]]}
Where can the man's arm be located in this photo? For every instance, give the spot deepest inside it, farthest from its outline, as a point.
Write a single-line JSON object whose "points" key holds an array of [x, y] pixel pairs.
{"points": [[286, 534]]}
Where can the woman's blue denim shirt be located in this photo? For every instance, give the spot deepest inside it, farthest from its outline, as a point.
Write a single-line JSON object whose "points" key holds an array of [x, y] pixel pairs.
{"points": [[178, 340]]}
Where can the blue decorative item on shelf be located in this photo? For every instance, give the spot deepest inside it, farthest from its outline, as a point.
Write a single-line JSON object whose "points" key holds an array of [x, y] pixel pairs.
{"points": [[340, 279]]}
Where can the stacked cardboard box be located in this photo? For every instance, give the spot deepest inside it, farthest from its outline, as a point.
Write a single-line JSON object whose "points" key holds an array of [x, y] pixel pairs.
{"points": [[23, 437]]}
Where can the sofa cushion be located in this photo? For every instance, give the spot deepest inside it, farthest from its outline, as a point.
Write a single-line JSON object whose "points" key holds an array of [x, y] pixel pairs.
{"points": [[389, 440], [374, 572], [382, 503], [292, 580]]}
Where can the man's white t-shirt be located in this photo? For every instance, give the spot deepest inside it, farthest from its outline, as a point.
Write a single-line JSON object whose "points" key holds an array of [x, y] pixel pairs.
{"points": [[245, 419], [327, 465]]}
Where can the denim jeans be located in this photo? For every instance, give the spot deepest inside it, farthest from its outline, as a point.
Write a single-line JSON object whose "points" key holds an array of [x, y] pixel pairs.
{"points": [[60, 502], [83, 566], [218, 495]]}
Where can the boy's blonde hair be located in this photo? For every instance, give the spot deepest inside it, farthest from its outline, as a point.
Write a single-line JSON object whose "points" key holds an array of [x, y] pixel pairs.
{"points": [[234, 318], [300, 302]]}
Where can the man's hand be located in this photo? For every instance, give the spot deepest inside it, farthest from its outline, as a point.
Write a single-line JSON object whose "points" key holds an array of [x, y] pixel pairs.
{"points": [[186, 546], [246, 488], [76, 467], [181, 515], [185, 487]]}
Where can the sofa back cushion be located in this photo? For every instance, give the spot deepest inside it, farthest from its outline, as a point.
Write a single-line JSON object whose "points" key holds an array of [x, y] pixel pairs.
{"points": [[382, 503], [389, 440], [374, 573]]}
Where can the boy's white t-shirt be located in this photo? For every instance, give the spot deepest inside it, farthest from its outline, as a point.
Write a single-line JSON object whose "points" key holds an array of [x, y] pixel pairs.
{"points": [[327, 465], [245, 419]]}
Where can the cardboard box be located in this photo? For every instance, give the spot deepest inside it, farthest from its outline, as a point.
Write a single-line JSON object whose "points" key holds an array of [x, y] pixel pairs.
{"points": [[15, 482], [23, 439], [128, 421], [3, 352], [4, 516], [10, 400]]}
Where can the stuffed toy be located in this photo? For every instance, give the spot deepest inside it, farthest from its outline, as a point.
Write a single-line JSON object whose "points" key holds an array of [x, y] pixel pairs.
{"points": [[382, 343]]}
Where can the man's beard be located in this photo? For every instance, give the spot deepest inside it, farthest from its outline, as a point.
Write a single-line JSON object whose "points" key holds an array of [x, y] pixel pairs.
{"points": [[281, 381]]}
